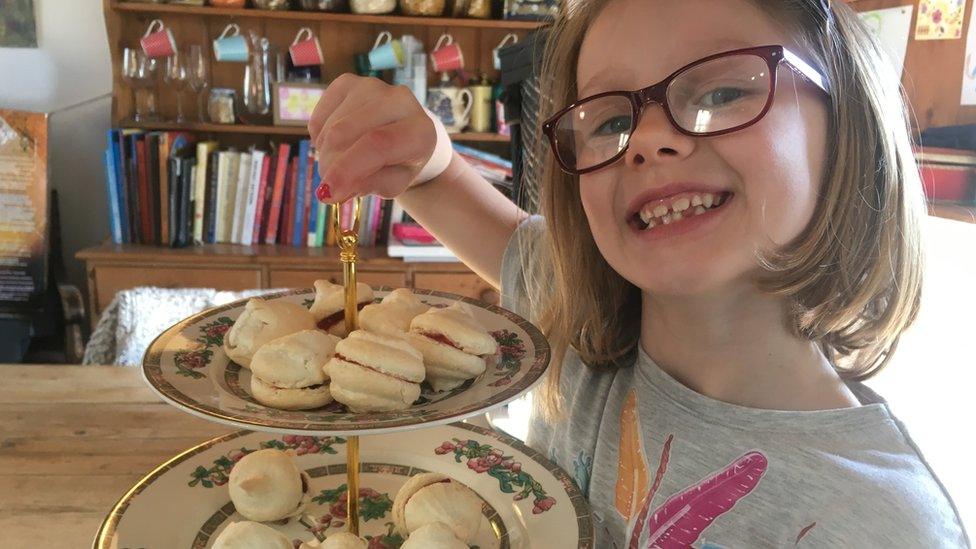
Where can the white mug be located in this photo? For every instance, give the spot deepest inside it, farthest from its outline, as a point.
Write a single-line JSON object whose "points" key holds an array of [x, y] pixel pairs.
{"points": [[495, 53], [452, 105]]}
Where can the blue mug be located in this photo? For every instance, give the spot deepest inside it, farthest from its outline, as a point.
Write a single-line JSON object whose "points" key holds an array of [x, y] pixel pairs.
{"points": [[231, 47], [388, 55]]}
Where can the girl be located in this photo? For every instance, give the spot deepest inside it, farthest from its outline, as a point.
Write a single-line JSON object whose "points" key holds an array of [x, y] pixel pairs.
{"points": [[729, 243]]}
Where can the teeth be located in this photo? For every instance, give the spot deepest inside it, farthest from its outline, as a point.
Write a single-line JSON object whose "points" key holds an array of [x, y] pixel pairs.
{"points": [[650, 224], [660, 210], [696, 200], [676, 216], [645, 215], [681, 204], [699, 210], [719, 199], [666, 220], [708, 200]]}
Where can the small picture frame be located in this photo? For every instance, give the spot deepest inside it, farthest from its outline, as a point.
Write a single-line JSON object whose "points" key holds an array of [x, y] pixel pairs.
{"points": [[294, 102]]}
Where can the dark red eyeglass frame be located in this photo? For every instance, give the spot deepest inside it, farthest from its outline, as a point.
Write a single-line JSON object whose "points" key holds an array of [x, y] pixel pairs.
{"points": [[658, 93]]}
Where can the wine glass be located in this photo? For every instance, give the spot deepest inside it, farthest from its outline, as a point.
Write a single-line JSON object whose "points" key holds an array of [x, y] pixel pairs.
{"points": [[198, 76], [175, 77], [130, 74], [136, 72]]}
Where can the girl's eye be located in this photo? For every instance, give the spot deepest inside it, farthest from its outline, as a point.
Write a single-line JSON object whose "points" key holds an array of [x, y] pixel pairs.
{"points": [[720, 97], [614, 126]]}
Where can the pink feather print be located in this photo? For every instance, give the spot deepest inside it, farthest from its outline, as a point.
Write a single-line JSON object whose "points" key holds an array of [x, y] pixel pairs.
{"points": [[684, 516]]}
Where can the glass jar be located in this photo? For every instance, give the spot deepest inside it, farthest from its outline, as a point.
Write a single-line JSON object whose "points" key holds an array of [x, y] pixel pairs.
{"points": [[272, 4], [373, 6], [220, 107], [228, 3], [422, 7]]}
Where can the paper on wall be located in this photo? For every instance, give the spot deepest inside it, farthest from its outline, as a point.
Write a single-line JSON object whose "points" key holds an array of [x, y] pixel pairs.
{"points": [[892, 27]]}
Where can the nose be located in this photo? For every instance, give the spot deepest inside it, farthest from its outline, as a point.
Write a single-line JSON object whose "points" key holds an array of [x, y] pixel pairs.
{"points": [[656, 141]]}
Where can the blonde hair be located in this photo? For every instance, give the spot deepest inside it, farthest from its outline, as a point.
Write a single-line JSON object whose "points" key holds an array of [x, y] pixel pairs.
{"points": [[853, 276]]}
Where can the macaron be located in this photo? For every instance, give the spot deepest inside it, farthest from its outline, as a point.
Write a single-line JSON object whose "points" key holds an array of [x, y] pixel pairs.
{"points": [[287, 372], [373, 372], [251, 535], [339, 540], [393, 314], [329, 307], [435, 497], [260, 322], [454, 345], [434, 535], [266, 485]]}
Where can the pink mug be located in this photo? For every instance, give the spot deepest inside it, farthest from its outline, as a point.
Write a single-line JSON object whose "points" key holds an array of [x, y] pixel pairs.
{"points": [[158, 40], [306, 51], [447, 56]]}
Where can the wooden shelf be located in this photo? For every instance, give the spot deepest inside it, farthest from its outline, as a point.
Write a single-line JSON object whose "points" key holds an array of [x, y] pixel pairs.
{"points": [[324, 16], [953, 211], [281, 130]]}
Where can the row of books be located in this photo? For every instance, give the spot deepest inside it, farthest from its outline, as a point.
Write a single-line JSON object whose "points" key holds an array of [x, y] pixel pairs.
{"points": [[167, 189]]}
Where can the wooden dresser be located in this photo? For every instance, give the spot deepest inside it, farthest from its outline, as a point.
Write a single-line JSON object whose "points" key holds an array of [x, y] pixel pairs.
{"points": [[112, 268]]}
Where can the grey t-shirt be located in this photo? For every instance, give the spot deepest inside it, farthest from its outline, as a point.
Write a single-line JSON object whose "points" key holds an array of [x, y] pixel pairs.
{"points": [[678, 469]]}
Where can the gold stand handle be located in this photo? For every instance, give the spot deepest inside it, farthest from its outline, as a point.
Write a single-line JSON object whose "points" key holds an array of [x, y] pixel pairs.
{"points": [[348, 241]]}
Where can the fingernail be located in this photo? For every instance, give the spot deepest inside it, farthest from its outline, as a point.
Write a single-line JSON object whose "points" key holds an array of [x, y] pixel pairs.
{"points": [[323, 193]]}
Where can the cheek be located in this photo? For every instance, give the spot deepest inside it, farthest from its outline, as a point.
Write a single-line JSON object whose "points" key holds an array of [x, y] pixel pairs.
{"points": [[781, 191]]}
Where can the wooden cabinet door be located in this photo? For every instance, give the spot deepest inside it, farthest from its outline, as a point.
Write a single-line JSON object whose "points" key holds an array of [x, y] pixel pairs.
{"points": [[111, 279], [304, 279], [466, 284]]}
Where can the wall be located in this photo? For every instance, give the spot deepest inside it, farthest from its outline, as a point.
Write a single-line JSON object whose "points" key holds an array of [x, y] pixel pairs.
{"points": [[69, 76]]}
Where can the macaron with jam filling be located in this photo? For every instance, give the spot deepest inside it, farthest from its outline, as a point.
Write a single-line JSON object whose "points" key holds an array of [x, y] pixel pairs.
{"points": [[260, 322], [434, 535], [374, 372], [435, 497], [287, 372], [393, 314], [329, 307], [454, 345]]}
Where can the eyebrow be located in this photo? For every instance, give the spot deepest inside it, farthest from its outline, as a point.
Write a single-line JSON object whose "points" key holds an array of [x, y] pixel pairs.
{"points": [[724, 44]]}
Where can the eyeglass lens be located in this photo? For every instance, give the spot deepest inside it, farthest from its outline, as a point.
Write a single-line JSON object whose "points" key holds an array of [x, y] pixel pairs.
{"points": [[714, 96]]}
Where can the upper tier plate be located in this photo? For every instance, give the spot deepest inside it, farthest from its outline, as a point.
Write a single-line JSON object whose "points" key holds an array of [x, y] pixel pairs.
{"points": [[187, 366]]}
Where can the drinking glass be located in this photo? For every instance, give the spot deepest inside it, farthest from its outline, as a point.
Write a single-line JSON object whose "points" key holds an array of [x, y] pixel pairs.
{"points": [[136, 71], [198, 76], [175, 77]]}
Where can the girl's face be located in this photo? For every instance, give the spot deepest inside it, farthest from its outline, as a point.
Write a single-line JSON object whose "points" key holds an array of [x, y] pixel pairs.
{"points": [[769, 174]]}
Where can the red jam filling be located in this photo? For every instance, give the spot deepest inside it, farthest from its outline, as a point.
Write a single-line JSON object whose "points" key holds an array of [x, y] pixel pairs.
{"points": [[441, 338], [394, 376], [328, 322]]}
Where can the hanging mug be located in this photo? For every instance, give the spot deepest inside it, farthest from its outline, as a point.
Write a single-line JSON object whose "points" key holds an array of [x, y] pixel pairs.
{"points": [[305, 51], [452, 105], [386, 55], [231, 47], [496, 53], [447, 56], [158, 40]]}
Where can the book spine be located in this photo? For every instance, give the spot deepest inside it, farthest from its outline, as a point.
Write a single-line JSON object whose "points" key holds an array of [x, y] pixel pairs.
{"points": [[259, 206], [220, 234], [115, 143], [145, 205], [112, 194], [240, 200], [230, 190], [254, 183], [163, 149], [298, 227], [281, 170], [288, 219], [200, 189], [314, 223], [173, 200], [152, 173], [210, 207]]}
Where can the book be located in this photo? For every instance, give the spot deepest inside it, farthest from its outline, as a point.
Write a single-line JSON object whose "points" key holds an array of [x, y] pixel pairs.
{"points": [[111, 191], [164, 187], [288, 208], [145, 204], [240, 198], [152, 175], [253, 186], [204, 148], [174, 172], [185, 201], [132, 182], [274, 213], [233, 160], [259, 205], [115, 143], [298, 223], [220, 231], [314, 205], [210, 210]]}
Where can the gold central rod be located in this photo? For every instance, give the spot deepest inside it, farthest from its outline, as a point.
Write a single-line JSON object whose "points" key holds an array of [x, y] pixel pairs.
{"points": [[348, 241]]}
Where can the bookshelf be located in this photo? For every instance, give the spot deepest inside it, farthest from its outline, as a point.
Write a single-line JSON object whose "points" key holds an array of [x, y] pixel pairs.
{"points": [[114, 267]]}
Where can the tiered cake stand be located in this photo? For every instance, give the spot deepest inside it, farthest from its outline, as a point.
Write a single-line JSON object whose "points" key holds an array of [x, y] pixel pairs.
{"points": [[529, 502]]}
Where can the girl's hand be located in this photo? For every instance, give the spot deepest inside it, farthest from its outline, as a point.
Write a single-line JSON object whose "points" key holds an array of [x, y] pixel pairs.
{"points": [[370, 137]]}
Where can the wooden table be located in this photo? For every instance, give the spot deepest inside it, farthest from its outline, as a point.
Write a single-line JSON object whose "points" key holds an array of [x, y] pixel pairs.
{"points": [[73, 439]]}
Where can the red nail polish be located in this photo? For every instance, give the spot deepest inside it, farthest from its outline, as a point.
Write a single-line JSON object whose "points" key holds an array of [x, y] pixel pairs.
{"points": [[323, 193]]}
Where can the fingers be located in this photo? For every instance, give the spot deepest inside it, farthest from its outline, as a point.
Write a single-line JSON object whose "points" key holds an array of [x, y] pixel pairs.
{"points": [[348, 125], [405, 143], [345, 91]]}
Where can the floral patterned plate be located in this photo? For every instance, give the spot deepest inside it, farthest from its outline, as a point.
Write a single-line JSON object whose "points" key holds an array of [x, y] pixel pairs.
{"points": [[187, 366], [529, 502]]}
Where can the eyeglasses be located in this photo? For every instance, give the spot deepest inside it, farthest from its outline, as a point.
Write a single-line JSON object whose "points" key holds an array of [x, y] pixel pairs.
{"points": [[719, 94]]}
